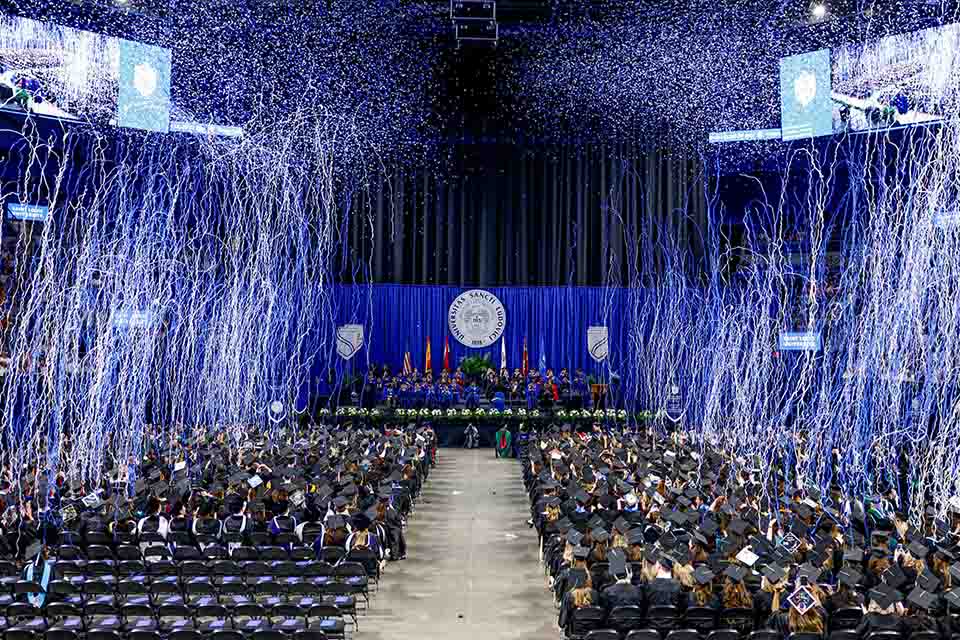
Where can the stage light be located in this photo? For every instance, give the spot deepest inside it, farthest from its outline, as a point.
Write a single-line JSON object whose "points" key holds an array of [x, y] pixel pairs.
{"points": [[818, 11]]}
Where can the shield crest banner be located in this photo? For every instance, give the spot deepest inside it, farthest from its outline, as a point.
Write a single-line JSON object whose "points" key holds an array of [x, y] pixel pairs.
{"points": [[597, 343], [349, 340]]}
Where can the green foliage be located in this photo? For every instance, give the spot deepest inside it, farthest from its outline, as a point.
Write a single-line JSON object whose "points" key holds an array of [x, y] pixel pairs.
{"points": [[476, 366]]}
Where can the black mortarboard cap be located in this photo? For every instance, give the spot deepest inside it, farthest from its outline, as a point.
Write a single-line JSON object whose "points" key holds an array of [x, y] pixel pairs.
{"points": [[735, 572], [574, 537], [739, 526], [894, 576], [621, 525], [808, 571], [918, 549], [850, 577], [703, 575], [928, 581], [635, 536], [774, 573], [600, 535], [854, 554], [885, 596], [618, 563], [922, 599], [953, 598], [581, 553]]}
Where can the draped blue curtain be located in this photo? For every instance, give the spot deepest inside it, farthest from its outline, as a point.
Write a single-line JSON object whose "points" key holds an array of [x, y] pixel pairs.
{"points": [[399, 318]]}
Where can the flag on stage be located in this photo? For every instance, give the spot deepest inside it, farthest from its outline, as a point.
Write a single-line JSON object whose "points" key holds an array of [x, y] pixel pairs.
{"points": [[446, 353], [407, 364], [543, 358], [526, 361], [503, 353], [427, 366]]}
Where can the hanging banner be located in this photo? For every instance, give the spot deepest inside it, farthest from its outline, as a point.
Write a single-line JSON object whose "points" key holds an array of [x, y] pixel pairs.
{"points": [[349, 340], [477, 318], [597, 343], [674, 403]]}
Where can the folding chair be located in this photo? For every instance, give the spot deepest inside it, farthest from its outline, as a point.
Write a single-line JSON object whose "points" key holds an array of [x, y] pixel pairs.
{"points": [[138, 617], [328, 619], [212, 617], [174, 617], [288, 618], [248, 618]]}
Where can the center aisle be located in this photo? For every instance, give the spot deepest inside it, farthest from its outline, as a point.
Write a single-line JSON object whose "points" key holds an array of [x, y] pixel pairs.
{"points": [[471, 570]]}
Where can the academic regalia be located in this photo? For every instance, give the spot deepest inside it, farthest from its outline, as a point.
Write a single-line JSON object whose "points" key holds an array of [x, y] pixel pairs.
{"points": [[504, 438]]}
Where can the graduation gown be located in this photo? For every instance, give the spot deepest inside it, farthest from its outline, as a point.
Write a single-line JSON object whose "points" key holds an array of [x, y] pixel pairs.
{"points": [[504, 440]]}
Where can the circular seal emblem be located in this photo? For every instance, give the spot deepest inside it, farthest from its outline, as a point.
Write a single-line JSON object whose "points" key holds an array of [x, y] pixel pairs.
{"points": [[477, 318]]}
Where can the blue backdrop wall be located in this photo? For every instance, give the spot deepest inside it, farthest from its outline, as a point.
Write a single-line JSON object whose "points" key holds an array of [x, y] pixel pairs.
{"points": [[399, 318]]}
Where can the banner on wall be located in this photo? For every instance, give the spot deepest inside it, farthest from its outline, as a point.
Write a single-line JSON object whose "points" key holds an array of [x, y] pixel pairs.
{"points": [[477, 318], [598, 343], [349, 340]]}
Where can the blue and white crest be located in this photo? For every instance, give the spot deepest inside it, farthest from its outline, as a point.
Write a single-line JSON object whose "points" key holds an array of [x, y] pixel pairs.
{"points": [[349, 340], [597, 343]]}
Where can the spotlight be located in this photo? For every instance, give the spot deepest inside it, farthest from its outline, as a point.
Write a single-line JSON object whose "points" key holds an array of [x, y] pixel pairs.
{"points": [[818, 10]]}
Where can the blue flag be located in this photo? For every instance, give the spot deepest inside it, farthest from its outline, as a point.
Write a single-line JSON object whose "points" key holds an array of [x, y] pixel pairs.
{"points": [[543, 358]]}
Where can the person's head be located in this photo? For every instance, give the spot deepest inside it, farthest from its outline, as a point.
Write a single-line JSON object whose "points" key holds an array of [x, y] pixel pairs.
{"points": [[664, 567], [583, 594], [809, 622], [153, 506], [236, 505], [281, 501], [735, 595]]}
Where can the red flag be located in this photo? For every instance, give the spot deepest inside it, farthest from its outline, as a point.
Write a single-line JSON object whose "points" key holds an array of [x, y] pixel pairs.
{"points": [[446, 353], [426, 365], [526, 361]]}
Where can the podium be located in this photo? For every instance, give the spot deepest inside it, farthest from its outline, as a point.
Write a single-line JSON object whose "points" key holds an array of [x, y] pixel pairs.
{"points": [[599, 393]]}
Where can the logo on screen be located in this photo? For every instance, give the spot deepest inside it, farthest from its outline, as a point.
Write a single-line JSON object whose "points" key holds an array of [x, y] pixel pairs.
{"points": [[805, 88], [145, 79]]}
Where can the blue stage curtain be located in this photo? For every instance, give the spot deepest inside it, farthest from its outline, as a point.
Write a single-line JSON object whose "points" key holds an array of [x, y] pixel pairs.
{"points": [[399, 318]]}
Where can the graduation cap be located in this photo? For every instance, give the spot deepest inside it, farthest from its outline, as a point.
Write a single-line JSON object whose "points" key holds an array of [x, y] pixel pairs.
{"points": [[790, 542], [600, 535], [739, 527], [239, 477], [735, 572], [955, 572], [33, 550], [885, 596], [159, 489], [922, 599], [618, 563], [335, 522], [709, 527], [747, 556], [928, 581], [774, 573], [953, 597], [808, 571], [802, 600], [850, 577], [854, 554], [635, 536], [703, 575], [340, 502], [581, 553], [621, 525], [918, 550], [894, 576]]}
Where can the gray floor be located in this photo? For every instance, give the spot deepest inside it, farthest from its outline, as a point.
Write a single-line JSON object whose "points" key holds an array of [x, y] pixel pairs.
{"points": [[471, 569]]}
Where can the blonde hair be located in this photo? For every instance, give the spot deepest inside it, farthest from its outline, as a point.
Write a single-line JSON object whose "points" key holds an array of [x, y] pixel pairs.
{"points": [[583, 595], [683, 573], [736, 596]]}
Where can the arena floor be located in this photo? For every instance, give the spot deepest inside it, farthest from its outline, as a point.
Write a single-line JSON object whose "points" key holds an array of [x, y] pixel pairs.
{"points": [[471, 570]]}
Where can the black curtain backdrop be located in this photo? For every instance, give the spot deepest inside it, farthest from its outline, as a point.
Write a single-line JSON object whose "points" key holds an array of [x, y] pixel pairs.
{"points": [[501, 214]]}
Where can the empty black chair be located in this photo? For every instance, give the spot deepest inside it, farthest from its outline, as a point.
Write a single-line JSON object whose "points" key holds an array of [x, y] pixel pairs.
{"points": [[724, 634], [684, 634], [65, 617], [584, 620], [701, 619], [811, 636], [288, 618], [61, 634], [183, 553], [328, 619], [212, 617], [368, 560], [332, 555], [844, 634], [268, 634], [138, 617], [765, 634], [884, 635], [141, 634], [26, 618], [174, 617], [228, 635], [103, 634], [248, 618], [603, 634], [739, 619], [185, 634], [625, 619], [663, 618], [643, 634], [845, 618], [309, 634]]}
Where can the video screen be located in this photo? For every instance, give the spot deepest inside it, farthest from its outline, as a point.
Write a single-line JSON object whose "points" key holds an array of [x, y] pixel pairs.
{"points": [[897, 80], [805, 96], [55, 71]]}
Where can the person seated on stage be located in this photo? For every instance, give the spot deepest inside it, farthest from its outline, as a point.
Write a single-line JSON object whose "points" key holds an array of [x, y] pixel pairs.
{"points": [[581, 390], [446, 395], [406, 396], [390, 394], [459, 378], [429, 396], [471, 436], [504, 438], [472, 396]]}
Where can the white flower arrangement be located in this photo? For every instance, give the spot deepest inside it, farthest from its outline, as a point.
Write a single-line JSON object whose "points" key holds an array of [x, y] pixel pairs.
{"points": [[508, 412], [437, 412], [622, 414]]}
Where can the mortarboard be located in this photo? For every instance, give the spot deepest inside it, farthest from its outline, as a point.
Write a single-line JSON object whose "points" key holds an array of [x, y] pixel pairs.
{"points": [[735, 572], [618, 563], [918, 550], [581, 553], [928, 581], [574, 537], [774, 573], [894, 576], [885, 596], [703, 575], [854, 554], [808, 571], [953, 598], [922, 599], [850, 577], [747, 556], [802, 600]]}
